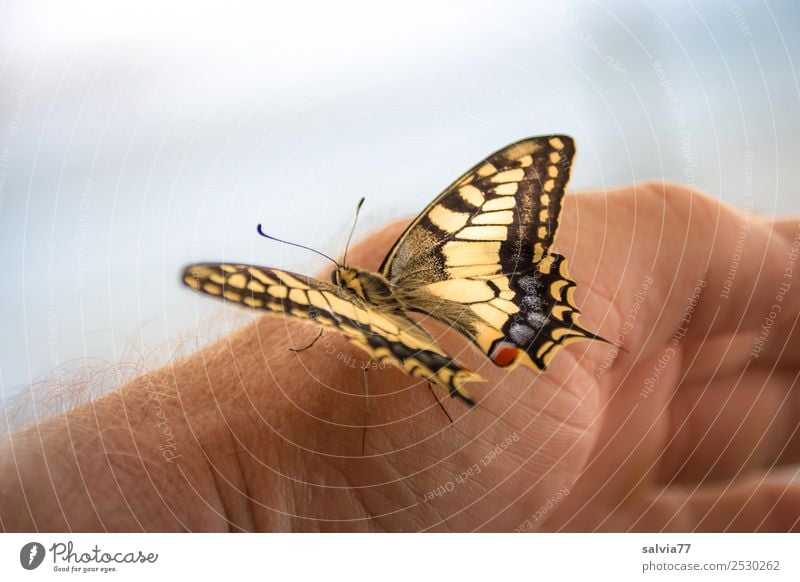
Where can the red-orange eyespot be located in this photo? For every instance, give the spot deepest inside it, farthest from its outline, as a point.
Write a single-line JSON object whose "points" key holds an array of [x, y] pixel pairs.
{"points": [[504, 355]]}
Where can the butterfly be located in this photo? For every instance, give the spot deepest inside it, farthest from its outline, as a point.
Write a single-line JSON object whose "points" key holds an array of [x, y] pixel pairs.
{"points": [[478, 259]]}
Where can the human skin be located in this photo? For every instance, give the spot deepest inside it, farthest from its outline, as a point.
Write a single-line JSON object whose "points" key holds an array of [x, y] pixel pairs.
{"points": [[672, 433]]}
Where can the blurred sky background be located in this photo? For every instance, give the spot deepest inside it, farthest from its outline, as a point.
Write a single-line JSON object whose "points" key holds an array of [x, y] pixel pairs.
{"points": [[138, 136]]}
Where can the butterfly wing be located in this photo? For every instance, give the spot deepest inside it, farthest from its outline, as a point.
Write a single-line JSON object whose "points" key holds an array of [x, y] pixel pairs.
{"points": [[479, 258], [387, 336]]}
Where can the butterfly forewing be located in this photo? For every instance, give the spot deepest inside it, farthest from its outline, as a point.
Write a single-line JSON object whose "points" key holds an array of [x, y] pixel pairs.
{"points": [[386, 335], [513, 198]]}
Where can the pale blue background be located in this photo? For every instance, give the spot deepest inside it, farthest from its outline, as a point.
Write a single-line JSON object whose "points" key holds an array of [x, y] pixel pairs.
{"points": [[136, 137]]}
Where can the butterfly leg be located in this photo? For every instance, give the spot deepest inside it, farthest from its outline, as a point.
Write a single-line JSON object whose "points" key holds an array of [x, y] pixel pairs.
{"points": [[439, 402], [366, 410], [298, 350]]}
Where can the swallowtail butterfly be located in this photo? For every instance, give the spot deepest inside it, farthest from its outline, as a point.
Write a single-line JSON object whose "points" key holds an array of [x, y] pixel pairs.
{"points": [[478, 258]]}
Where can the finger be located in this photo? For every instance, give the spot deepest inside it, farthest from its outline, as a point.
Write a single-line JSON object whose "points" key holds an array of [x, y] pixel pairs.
{"points": [[788, 227], [768, 502], [781, 346], [735, 423], [717, 356], [707, 268], [749, 272]]}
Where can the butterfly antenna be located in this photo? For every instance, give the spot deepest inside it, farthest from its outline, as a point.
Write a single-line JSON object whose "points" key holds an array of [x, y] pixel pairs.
{"points": [[276, 239], [352, 230]]}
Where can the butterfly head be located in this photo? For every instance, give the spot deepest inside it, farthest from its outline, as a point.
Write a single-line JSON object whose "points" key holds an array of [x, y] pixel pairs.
{"points": [[369, 287], [348, 278]]}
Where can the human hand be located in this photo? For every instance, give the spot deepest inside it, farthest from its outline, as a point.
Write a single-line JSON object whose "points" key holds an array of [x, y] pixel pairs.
{"points": [[684, 430]]}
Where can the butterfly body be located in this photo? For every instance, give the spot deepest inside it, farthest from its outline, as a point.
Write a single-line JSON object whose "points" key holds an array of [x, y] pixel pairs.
{"points": [[368, 287], [478, 258]]}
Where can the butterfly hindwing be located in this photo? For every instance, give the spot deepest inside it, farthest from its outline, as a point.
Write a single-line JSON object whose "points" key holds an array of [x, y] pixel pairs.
{"points": [[386, 335], [478, 257]]}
